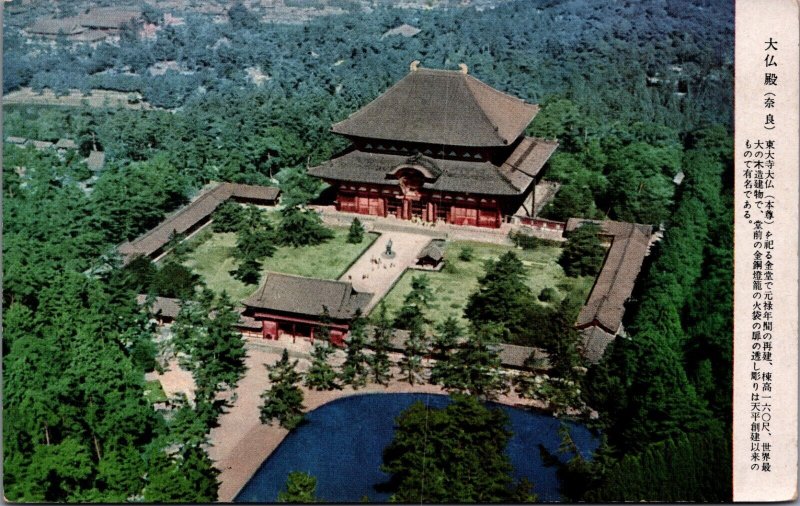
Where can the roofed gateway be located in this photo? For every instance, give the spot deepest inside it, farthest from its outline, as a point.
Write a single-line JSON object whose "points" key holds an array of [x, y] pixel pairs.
{"points": [[295, 305], [439, 145]]}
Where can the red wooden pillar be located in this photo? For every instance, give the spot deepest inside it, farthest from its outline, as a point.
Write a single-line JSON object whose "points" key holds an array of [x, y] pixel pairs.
{"points": [[312, 333], [294, 332]]}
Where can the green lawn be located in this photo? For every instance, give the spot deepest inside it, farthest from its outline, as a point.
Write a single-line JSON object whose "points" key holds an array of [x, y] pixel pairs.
{"points": [[212, 259], [153, 392], [453, 286]]}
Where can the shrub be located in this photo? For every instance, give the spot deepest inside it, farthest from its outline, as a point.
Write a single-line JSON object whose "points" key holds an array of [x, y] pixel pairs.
{"points": [[526, 241], [466, 254], [548, 294]]}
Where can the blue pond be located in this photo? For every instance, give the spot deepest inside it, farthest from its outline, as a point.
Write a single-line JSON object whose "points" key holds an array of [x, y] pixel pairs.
{"points": [[342, 443]]}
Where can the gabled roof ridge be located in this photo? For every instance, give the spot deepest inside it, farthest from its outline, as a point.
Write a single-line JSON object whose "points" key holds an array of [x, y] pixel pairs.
{"points": [[473, 83], [466, 79]]}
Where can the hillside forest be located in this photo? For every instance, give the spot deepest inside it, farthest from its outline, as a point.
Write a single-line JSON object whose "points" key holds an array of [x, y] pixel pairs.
{"points": [[635, 92]]}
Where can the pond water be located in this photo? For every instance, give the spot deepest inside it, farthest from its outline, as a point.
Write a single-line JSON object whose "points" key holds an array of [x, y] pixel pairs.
{"points": [[342, 443]]}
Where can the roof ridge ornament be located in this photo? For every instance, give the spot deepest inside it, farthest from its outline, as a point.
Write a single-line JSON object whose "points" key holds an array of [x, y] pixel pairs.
{"points": [[464, 68], [414, 65]]}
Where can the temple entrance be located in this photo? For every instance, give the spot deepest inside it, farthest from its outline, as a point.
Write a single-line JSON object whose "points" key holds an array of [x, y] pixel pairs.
{"points": [[417, 208], [374, 206]]}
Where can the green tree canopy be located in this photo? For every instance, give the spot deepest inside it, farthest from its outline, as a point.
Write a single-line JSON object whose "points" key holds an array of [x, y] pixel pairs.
{"points": [[583, 254], [283, 401], [300, 488], [502, 296], [451, 455]]}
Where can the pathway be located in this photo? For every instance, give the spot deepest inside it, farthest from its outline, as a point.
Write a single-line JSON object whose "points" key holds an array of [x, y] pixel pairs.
{"points": [[378, 278]]}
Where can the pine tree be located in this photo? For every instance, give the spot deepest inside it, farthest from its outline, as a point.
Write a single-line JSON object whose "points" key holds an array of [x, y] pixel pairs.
{"points": [[452, 455], [253, 244], [475, 367], [356, 233], [283, 401], [300, 488], [321, 375], [418, 299], [302, 227], [416, 347], [228, 217], [445, 340], [502, 297], [379, 362], [583, 255], [213, 349], [354, 370]]}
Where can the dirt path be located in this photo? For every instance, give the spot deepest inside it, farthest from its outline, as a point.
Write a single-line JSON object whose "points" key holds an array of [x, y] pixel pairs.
{"points": [[378, 278]]}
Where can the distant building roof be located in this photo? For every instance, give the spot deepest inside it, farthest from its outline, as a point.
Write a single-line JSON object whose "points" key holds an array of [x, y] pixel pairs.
{"points": [[513, 177], [404, 30], [441, 107], [511, 355], [169, 307], [109, 17], [190, 215], [170, 20], [89, 36], [49, 26], [16, 140], [96, 160], [678, 179], [308, 296], [162, 306], [615, 283], [41, 144], [66, 144]]}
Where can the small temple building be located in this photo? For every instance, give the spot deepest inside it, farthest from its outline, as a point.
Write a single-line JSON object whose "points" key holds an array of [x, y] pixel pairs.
{"points": [[298, 306], [439, 145], [432, 255]]}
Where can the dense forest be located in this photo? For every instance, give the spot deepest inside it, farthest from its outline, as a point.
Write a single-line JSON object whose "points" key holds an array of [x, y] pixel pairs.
{"points": [[635, 92]]}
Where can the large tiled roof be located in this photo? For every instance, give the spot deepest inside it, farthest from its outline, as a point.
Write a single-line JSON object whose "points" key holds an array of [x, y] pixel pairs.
{"points": [[109, 17], [308, 296], [67, 26], [513, 177], [614, 285], [443, 107], [527, 160], [187, 217]]}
